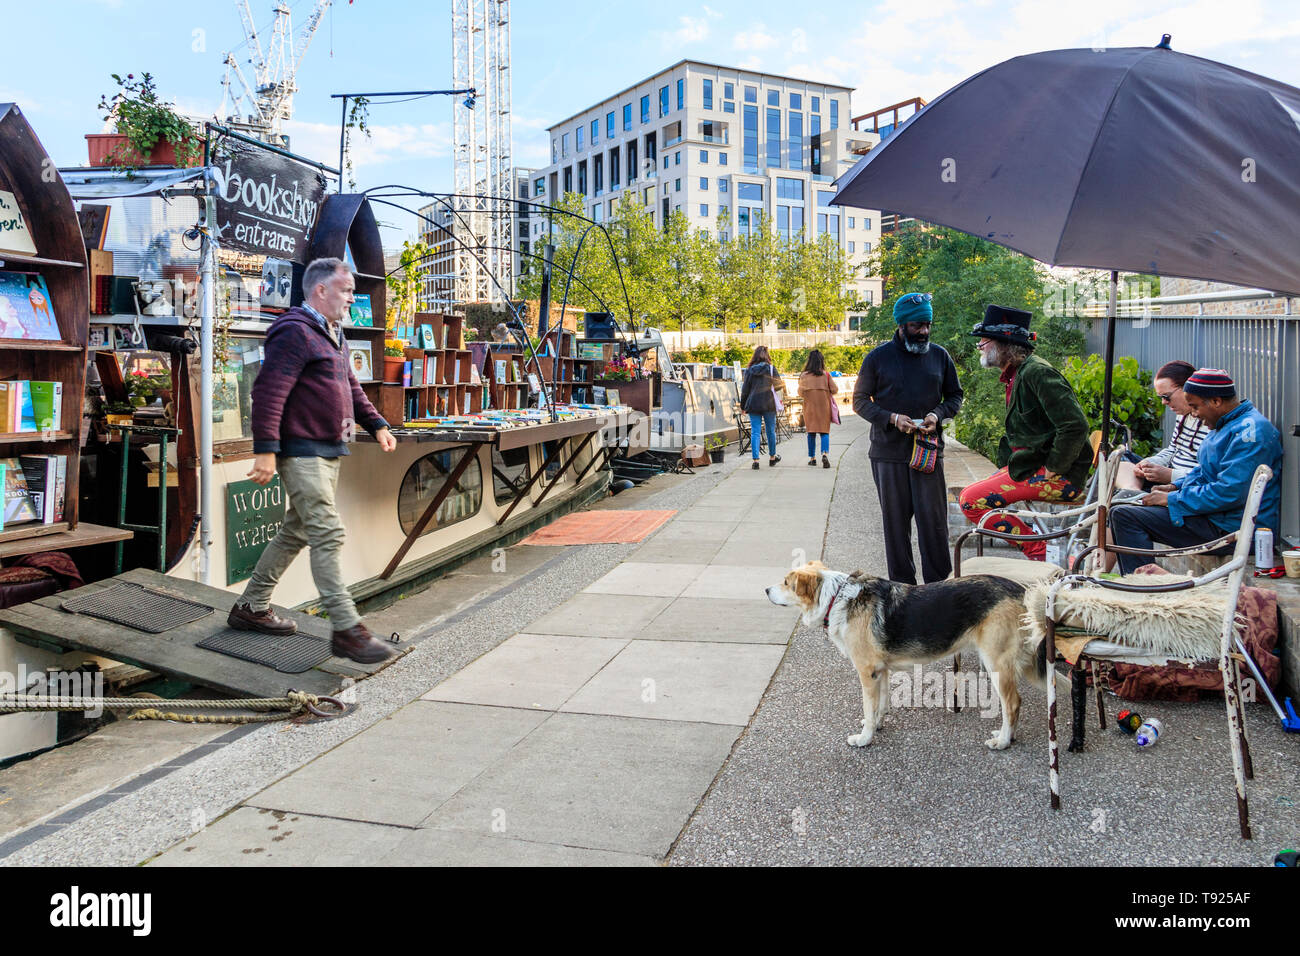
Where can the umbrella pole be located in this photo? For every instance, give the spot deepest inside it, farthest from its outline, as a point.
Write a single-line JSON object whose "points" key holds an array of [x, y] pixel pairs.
{"points": [[1110, 362]]}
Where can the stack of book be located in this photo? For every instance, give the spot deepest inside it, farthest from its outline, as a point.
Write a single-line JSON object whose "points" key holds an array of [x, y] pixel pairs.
{"points": [[27, 406], [35, 488]]}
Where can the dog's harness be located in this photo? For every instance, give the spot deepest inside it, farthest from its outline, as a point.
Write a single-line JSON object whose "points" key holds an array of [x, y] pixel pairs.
{"points": [[826, 621]]}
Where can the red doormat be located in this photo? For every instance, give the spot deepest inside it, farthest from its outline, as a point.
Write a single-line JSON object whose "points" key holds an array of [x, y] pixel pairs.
{"points": [[599, 527]]}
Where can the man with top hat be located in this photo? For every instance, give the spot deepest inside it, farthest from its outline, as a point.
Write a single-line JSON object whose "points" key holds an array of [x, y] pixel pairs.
{"points": [[908, 386], [1208, 501], [1044, 454]]}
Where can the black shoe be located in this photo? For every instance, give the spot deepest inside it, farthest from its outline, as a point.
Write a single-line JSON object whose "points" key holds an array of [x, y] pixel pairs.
{"points": [[358, 644], [244, 618], [756, 464], [813, 462], [826, 462], [771, 462]]}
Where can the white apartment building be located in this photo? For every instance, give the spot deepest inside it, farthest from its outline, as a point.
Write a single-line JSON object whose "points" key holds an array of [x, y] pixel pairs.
{"points": [[700, 138]]}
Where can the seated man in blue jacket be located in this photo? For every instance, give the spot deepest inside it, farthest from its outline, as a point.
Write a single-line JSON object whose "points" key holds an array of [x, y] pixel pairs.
{"points": [[1208, 501]]}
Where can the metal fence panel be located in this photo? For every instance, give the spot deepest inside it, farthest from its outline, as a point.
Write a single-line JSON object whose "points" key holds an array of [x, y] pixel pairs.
{"points": [[1261, 353]]}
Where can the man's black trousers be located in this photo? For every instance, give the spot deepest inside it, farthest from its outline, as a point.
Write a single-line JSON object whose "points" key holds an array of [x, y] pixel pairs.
{"points": [[906, 494]]}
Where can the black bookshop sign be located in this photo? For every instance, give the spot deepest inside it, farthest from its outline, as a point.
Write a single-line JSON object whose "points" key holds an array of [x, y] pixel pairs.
{"points": [[266, 203]]}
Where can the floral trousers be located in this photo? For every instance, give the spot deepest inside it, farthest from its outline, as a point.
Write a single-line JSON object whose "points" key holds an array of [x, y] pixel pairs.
{"points": [[999, 490]]}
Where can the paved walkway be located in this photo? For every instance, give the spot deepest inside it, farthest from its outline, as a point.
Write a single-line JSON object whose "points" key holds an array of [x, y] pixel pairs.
{"points": [[590, 736]]}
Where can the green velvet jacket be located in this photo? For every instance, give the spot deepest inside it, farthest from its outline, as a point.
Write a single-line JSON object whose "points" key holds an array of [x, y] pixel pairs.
{"points": [[1045, 425]]}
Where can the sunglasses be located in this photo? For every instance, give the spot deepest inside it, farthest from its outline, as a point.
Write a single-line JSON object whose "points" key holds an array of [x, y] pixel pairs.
{"points": [[1169, 395], [916, 298]]}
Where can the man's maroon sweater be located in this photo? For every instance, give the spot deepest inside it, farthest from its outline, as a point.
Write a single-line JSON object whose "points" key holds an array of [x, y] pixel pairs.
{"points": [[306, 401]]}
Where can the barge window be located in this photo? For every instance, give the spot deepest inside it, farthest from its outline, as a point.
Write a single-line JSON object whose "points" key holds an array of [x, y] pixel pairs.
{"points": [[510, 472], [425, 478]]}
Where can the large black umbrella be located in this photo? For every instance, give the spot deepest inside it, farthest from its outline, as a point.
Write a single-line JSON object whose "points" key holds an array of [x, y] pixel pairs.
{"points": [[1135, 159]]}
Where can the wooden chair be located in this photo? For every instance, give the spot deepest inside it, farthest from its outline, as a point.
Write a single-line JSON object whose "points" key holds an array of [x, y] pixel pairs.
{"points": [[1068, 595]]}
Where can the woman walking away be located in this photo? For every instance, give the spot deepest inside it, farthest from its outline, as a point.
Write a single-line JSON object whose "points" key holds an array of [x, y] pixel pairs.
{"points": [[758, 400], [818, 390]]}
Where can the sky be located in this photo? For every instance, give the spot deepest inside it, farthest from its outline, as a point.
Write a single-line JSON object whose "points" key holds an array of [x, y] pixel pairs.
{"points": [[566, 56]]}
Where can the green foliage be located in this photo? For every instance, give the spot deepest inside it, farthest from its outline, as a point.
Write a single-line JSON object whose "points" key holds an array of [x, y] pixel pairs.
{"points": [[846, 359], [675, 276], [145, 120], [404, 284], [1132, 401]]}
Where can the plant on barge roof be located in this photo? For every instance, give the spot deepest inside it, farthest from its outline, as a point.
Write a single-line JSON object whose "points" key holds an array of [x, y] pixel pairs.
{"points": [[145, 121]]}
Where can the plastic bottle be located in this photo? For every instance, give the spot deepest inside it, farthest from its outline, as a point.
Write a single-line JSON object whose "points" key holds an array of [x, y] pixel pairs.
{"points": [[1149, 732]]}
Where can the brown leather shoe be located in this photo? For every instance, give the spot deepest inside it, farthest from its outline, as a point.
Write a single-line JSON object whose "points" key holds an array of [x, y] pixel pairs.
{"points": [[358, 644], [244, 618]]}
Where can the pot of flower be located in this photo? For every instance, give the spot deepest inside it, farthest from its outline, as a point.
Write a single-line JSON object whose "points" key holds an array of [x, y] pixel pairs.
{"points": [[147, 130], [717, 446], [394, 360]]}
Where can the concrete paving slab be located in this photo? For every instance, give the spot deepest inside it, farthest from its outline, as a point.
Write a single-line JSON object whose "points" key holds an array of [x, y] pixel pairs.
{"points": [[430, 847], [595, 615], [742, 582], [681, 680], [721, 620], [684, 528], [403, 767], [258, 837], [734, 511], [40, 788], [529, 671], [627, 785], [675, 550], [769, 552], [646, 580]]}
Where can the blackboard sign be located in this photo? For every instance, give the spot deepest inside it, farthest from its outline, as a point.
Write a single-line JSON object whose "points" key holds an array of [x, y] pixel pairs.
{"points": [[254, 514], [266, 203]]}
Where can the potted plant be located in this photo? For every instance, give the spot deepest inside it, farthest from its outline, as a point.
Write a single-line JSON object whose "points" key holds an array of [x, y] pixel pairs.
{"points": [[717, 447], [394, 360], [148, 131]]}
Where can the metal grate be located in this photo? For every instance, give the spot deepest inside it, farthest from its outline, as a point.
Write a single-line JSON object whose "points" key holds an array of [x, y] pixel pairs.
{"points": [[142, 608], [288, 655]]}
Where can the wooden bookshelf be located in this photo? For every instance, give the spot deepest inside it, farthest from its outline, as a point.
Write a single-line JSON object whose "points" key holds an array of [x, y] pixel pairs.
{"points": [[60, 260]]}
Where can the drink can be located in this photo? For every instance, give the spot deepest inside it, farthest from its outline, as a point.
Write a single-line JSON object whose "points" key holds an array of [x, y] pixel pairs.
{"points": [[1263, 547]]}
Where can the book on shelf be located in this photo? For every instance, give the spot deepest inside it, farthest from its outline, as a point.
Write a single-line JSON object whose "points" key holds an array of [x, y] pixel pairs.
{"points": [[417, 371], [501, 375], [25, 309], [14, 237], [361, 311], [30, 406], [18, 505], [47, 477], [406, 373]]}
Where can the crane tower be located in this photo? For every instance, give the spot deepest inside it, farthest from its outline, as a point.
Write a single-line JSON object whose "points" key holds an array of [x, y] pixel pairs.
{"points": [[481, 129]]}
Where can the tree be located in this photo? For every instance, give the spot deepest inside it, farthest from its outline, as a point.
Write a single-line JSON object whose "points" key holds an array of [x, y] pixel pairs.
{"points": [[404, 284], [692, 265]]}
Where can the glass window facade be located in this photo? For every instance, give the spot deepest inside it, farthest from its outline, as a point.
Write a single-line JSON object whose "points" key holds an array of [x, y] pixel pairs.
{"points": [[816, 103], [722, 159], [609, 125], [595, 131], [627, 117], [677, 186], [853, 223], [645, 108], [722, 185], [749, 192], [578, 138], [773, 154], [824, 198], [796, 101], [564, 145], [631, 162], [796, 141], [704, 155], [788, 188], [598, 174], [704, 209], [704, 182], [677, 158], [729, 106], [751, 139], [773, 97], [751, 94], [835, 114], [681, 94], [728, 91], [539, 186], [613, 168], [663, 101], [582, 177], [708, 95]]}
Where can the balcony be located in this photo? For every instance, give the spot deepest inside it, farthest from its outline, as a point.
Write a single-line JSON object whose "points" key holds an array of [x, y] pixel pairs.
{"points": [[717, 140], [669, 143]]}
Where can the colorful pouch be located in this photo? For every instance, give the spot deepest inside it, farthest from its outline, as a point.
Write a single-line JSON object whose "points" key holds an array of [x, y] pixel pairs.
{"points": [[925, 453]]}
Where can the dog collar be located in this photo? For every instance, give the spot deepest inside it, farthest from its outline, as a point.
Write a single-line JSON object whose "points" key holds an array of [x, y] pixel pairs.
{"points": [[826, 621]]}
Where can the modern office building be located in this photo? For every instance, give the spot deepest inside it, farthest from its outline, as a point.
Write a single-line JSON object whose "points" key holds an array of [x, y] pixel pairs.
{"points": [[700, 138]]}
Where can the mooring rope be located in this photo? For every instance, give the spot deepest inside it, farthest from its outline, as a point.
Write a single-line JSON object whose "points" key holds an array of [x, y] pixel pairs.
{"points": [[293, 704]]}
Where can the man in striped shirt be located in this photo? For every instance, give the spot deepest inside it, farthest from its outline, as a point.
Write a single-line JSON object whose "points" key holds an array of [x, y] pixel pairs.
{"points": [[1177, 458]]}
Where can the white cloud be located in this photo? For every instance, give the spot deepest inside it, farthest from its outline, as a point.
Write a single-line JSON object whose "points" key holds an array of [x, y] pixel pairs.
{"points": [[798, 41], [386, 143], [755, 39]]}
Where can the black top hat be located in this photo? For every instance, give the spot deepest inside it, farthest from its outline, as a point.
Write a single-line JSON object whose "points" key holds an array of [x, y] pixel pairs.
{"points": [[1005, 324]]}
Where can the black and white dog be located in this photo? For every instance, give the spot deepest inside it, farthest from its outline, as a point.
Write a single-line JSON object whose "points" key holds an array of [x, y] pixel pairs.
{"points": [[880, 625]]}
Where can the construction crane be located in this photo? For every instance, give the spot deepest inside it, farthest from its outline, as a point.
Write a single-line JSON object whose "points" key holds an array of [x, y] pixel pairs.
{"points": [[481, 134], [260, 108]]}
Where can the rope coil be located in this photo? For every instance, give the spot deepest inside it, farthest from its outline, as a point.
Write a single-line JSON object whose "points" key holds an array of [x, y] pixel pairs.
{"points": [[294, 703]]}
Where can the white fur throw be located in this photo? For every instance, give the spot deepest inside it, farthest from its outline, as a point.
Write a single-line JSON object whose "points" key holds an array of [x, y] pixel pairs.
{"points": [[1023, 572], [1180, 624]]}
